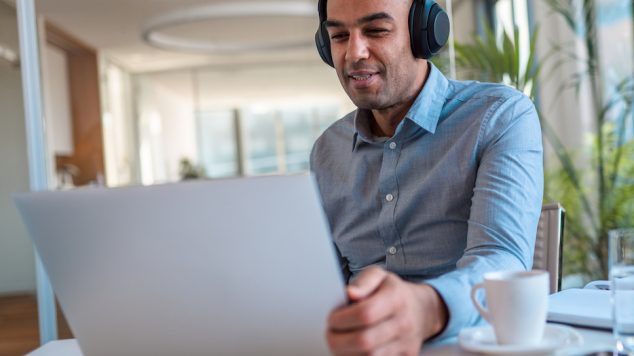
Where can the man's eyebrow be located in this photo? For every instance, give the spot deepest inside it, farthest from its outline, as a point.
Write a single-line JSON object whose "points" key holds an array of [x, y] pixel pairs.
{"points": [[361, 21], [333, 23], [374, 17]]}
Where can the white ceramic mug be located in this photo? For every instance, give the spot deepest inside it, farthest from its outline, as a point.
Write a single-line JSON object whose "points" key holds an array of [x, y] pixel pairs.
{"points": [[517, 305]]}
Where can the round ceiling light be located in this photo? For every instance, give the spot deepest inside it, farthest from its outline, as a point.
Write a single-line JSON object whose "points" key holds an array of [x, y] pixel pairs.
{"points": [[153, 36]]}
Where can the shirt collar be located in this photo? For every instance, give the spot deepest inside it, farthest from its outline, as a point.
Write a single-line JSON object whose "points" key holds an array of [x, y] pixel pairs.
{"points": [[362, 129], [425, 111]]}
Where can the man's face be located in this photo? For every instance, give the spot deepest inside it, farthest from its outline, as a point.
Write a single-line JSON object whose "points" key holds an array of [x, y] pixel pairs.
{"points": [[371, 51]]}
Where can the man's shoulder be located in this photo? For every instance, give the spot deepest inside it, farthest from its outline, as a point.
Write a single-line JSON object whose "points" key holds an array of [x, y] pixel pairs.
{"points": [[499, 108], [335, 141], [340, 131], [496, 105], [467, 90]]}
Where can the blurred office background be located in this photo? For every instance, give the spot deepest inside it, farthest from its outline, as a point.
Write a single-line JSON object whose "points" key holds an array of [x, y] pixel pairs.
{"points": [[236, 88]]}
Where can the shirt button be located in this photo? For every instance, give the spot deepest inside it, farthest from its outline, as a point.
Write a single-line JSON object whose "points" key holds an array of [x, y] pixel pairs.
{"points": [[389, 197], [392, 250], [392, 145]]}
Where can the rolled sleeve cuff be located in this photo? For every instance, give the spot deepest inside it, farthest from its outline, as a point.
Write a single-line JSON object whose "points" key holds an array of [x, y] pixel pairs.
{"points": [[456, 294]]}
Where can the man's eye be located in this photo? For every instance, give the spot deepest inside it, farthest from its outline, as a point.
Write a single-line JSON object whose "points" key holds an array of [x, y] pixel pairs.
{"points": [[338, 36], [376, 31]]}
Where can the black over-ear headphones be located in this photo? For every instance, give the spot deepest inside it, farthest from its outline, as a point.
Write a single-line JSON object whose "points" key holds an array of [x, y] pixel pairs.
{"points": [[428, 29]]}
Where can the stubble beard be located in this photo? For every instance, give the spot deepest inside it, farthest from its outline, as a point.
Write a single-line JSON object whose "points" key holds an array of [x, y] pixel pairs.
{"points": [[378, 99], [384, 98]]}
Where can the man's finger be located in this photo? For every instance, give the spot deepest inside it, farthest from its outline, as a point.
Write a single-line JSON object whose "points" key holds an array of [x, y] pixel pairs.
{"points": [[394, 347], [366, 283], [360, 315], [364, 341], [379, 306]]}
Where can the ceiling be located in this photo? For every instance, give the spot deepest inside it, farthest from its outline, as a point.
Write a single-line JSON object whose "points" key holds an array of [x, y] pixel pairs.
{"points": [[114, 27]]}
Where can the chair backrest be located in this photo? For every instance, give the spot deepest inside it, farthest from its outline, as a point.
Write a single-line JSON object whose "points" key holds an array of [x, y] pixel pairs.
{"points": [[549, 242]]}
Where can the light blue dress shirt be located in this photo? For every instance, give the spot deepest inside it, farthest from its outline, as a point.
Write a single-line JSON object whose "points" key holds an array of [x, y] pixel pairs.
{"points": [[455, 193]]}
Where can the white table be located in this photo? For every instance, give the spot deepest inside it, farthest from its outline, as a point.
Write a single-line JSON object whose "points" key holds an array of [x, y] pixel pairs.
{"points": [[58, 348], [594, 340]]}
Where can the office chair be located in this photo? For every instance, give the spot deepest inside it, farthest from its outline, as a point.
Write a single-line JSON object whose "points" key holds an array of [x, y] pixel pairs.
{"points": [[549, 242]]}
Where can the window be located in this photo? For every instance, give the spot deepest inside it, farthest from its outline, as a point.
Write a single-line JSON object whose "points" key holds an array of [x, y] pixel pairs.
{"points": [[257, 140], [216, 143]]}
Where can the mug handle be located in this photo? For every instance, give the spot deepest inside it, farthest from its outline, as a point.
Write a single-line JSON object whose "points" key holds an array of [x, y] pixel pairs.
{"points": [[485, 313]]}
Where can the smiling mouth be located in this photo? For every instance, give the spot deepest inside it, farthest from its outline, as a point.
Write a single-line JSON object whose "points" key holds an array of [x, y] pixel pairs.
{"points": [[361, 77]]}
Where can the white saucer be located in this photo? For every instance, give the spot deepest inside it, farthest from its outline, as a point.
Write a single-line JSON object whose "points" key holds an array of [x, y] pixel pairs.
{"points": [[482, 339]]}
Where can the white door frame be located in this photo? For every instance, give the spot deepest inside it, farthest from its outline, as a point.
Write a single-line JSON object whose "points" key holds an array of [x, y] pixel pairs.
{"points": [[36, 146]]}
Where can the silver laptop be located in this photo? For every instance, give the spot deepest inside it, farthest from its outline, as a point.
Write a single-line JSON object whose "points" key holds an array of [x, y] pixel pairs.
{"points": [[228, 267]]}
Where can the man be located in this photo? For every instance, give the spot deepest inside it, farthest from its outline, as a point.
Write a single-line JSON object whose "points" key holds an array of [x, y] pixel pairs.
{"points": [[428, 185]]}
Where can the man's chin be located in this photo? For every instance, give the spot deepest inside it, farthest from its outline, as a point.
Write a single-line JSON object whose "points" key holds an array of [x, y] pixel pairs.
{"points": [[368, 103]]}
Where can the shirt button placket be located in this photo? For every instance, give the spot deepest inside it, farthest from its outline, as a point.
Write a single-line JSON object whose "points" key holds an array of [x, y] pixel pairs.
{"points": [[391, 153]]}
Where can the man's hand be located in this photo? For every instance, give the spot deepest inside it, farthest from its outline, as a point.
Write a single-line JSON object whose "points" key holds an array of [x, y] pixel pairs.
{"points": [[388, 316]]}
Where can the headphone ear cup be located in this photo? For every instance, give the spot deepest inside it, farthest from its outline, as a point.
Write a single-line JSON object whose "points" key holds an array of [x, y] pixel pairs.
{"points": [[429, 28], [323, 45], [437, 30]]}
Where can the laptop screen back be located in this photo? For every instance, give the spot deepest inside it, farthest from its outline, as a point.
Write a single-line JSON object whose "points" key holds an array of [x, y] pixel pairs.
{"points": [[227, 267]]}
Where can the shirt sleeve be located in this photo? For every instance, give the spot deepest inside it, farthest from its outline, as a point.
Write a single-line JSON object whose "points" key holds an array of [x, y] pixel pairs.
{"points": [[505, 207], [314, 161]]}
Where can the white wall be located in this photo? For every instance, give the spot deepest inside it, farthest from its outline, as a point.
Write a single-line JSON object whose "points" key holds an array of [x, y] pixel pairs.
{"points": [[16, 252], [119, 129], [165, 108], [57, 101], [464, 17], [309, 83], [166, 103], [569, 113]]}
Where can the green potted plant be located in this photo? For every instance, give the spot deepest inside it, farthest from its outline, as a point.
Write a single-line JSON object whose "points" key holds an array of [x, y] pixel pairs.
{"points": [[598, 195], [189, 171]]}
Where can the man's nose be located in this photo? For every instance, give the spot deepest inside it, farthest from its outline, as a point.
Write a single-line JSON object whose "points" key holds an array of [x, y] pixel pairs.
{"points": [[357, 48]]}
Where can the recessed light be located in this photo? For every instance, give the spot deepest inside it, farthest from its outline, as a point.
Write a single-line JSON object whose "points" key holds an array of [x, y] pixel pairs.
{"points": [[152, 35]]}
